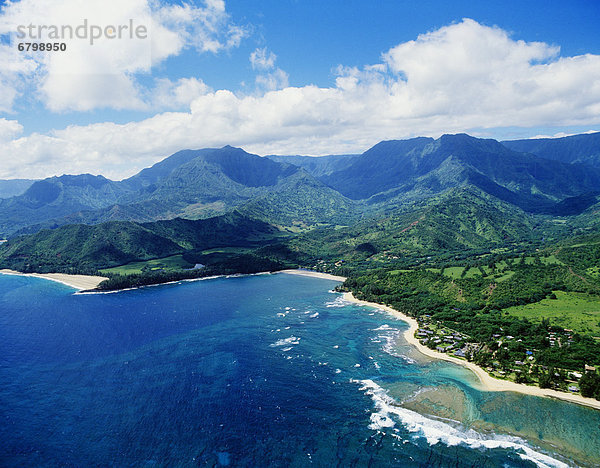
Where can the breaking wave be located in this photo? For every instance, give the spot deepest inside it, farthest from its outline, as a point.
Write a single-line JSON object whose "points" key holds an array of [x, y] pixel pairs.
{"points": [[389, 413]]}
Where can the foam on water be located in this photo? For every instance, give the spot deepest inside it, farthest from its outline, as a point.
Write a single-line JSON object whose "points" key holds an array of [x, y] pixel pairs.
{"points": [[338, 302], [441, 432], [385, 326], [292, 340]]}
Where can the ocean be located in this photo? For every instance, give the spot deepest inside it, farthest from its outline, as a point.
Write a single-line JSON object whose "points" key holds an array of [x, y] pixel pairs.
{"points": [[265, 370]]}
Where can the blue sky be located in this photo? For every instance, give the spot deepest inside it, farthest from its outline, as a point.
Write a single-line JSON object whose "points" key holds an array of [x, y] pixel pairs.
{"points": [[292, 77]]}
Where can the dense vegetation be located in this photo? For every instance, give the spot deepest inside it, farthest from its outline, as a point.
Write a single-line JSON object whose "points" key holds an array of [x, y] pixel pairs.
{"points": [[120, 242], [476, 306], [236, 264]]}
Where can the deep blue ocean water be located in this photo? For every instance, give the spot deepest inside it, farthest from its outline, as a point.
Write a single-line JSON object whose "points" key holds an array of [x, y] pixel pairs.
{"points": [[266, 370]]}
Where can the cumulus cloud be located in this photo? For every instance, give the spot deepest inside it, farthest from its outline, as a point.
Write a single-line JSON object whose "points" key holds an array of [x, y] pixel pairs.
{"points": [[461, 77], [176, 94], [9, 129], [104, 74]]}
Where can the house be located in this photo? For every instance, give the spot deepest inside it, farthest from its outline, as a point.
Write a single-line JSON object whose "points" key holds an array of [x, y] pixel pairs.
{"points": [[459, 353], [573, 388]]}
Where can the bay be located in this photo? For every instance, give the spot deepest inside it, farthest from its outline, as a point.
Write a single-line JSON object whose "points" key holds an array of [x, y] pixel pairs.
{"points": [[265, 370]]}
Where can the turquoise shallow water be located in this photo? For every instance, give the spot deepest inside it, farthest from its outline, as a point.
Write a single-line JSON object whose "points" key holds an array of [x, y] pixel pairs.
{"points": [[267, 370]]}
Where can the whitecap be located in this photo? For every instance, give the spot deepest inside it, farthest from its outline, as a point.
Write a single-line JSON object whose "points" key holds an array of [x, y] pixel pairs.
{"points": [[338, 302], [292, 340], [385, 326], [437, 431]]}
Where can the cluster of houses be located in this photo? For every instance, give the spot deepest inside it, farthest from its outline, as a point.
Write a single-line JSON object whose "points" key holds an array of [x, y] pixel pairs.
{"points": [[443, 339], [558, 339]]}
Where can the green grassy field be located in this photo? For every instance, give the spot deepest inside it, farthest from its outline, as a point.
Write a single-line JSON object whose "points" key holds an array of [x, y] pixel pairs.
{"points": [[453, 272], [175, 262], [472, 272], [502, 269], [577, 311], [551, 260], [505, 276]]}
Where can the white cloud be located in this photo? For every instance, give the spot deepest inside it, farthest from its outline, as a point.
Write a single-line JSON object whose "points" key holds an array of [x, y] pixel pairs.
{"points": [[169, 95], [105, 74], [13, 64], [561, 135], [276, 79], [261, 59], [9, 129], [461, 77], [269, 78]]}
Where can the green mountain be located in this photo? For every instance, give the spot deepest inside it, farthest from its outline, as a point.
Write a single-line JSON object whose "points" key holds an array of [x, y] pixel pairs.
{"points": [[83, 246], [190, 184], [56, 197], [575, 149], [421, 167], [14, 187], [148, 178], [318, 166], [458, 222], [399, 202], [116, 243]]}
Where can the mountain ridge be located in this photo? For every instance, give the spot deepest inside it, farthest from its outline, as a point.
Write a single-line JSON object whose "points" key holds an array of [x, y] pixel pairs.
{"points": [[341, 189]]}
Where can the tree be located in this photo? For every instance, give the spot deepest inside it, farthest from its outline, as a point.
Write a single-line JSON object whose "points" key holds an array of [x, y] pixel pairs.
{"points": [[589, 384], [545, 381]]}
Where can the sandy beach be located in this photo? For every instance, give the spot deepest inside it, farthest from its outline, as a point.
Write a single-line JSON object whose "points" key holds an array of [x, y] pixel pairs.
{"points": [[488, 383], [79, 282], [314, 274]]}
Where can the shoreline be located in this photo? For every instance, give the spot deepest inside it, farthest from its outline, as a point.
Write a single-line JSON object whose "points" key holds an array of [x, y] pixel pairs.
{"points": [[79, 282], [313, 274], [488, 383]]}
